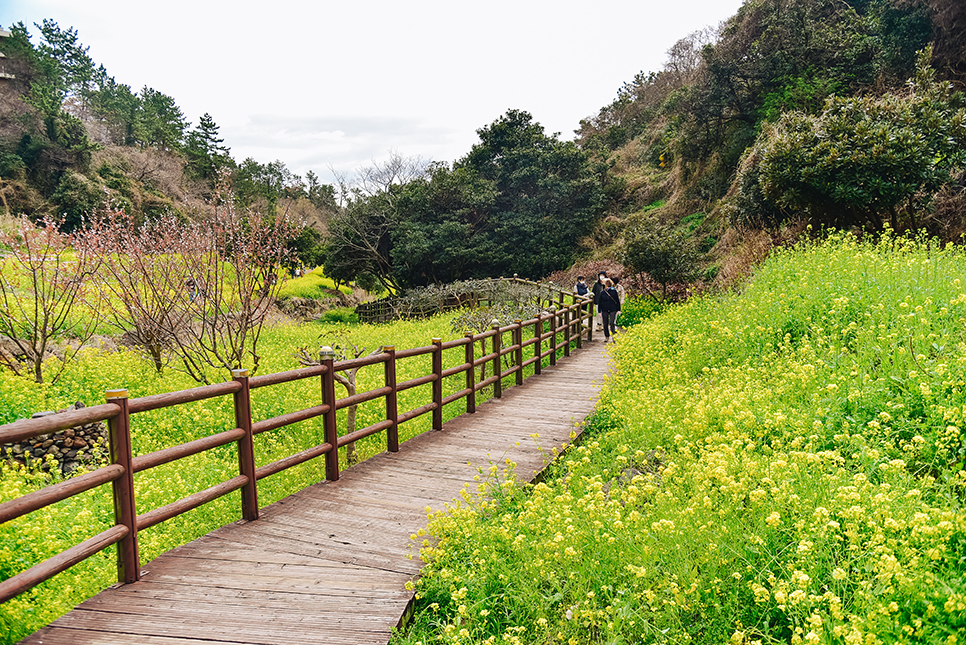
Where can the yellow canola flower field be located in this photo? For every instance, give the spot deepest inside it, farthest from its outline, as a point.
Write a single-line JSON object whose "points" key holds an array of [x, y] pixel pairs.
{"points": [[784, 464], [31, 539]]}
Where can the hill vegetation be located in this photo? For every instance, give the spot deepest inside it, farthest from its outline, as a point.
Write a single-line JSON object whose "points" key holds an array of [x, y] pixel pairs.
{"points": [[74, 141], [789, 113]]}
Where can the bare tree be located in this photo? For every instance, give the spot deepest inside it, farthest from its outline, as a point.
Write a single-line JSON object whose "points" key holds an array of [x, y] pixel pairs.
{"points": [[395, 171], [139, 280], [198, 292], [231, 261], [684, 56], [345, 349], [42, 283]]}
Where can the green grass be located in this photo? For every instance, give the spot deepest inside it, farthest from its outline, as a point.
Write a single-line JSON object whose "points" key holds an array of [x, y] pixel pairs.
{"points": [[783, 465], [346, 315], [314, 285]]}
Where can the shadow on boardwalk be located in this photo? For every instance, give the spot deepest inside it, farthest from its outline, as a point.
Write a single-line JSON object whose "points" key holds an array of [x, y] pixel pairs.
{"points": [[328, 564]]}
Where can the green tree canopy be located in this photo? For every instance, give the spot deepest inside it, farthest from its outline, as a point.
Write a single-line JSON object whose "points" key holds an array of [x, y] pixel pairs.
{"points": [[547, 196], [254, 180], [864, 158], [445, 219], [204, 151], [519, 202], [160, 124]]}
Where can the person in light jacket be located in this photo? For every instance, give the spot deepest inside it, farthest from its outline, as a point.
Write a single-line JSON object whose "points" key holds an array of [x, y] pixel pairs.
{"points": [[609, 304]]}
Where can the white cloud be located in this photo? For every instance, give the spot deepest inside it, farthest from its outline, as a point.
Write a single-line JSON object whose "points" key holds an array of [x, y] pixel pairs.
{"points": [[340, 83]]}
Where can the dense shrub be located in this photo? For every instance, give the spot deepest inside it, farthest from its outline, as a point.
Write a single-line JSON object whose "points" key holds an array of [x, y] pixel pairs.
{"points": [[637, 309]]}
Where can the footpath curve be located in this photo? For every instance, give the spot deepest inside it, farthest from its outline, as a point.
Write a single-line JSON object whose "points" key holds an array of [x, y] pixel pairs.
{"points": [[329, 563]]}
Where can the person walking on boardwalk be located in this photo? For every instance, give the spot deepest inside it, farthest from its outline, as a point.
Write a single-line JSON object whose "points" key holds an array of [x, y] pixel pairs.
{"points": [[609, 303], [596, 290], [621, 292], [581, 289]]}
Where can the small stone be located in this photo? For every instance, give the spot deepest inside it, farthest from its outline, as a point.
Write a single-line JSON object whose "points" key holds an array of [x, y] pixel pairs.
{"points": [[69, 432], [68, 442], [79, 443], [72, 454], [47, 444]]}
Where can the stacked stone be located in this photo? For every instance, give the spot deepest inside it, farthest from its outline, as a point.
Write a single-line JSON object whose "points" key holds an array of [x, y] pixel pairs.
{"points": [[70, 448]]}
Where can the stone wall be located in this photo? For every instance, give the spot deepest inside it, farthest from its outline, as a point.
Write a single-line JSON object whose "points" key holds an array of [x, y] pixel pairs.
{"points": [[70, 448]]}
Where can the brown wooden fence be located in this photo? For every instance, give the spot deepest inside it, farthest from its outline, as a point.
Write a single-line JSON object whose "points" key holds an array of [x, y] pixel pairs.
{"points": [[562, 327]]}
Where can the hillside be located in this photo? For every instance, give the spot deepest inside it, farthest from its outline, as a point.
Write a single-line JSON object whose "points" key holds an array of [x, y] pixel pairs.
{"points": [[706, 144], [74, 141], [822, 113]]}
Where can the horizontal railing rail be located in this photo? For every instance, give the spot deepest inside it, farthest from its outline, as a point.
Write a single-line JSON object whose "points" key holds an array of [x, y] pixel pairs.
{"points": [[556, 329]]}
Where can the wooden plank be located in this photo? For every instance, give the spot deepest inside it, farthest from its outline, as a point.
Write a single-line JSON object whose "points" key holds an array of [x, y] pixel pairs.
{"points": [[235, 627], [63, 636], [165, 594]]}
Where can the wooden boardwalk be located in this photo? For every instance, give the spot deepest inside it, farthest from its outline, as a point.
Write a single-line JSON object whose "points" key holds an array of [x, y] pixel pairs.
{"points": [[329, 563]]}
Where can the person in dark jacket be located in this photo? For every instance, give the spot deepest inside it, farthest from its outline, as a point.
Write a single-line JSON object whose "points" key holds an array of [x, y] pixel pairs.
{"points": [[609, 304], [581, 289], [596, 290]]}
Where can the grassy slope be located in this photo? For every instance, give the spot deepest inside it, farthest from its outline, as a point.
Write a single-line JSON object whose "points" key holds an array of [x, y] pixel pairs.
{"points": [[800, 460]]}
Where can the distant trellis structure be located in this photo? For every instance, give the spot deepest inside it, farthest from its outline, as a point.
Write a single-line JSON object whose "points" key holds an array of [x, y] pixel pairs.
{"points": [[428, 301]]}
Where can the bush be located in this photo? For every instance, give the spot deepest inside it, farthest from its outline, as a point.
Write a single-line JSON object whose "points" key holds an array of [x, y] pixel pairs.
{"points": [[346, 315], [666, 253], [637, 309]]}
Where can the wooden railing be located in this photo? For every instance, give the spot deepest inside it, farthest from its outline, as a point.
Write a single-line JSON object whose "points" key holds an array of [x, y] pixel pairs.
{"points": [[557, 329]]}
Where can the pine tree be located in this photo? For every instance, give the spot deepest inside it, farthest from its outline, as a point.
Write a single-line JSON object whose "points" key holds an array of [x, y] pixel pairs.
{"points": [[204, 150]]}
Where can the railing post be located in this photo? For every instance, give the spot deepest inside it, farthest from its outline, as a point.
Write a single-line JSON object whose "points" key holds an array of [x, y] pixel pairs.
{"points": [[246, 445], [579, 313], [392, 408], [590, 321], [125, 508], [538, 341], [438, 383], [497, 363], [329, 419], [518, 352], [470, 373], [553, 335], [566, 322]]}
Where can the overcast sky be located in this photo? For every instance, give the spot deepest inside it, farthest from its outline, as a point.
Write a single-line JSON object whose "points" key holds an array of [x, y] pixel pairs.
{"points": [[320, 84]]}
